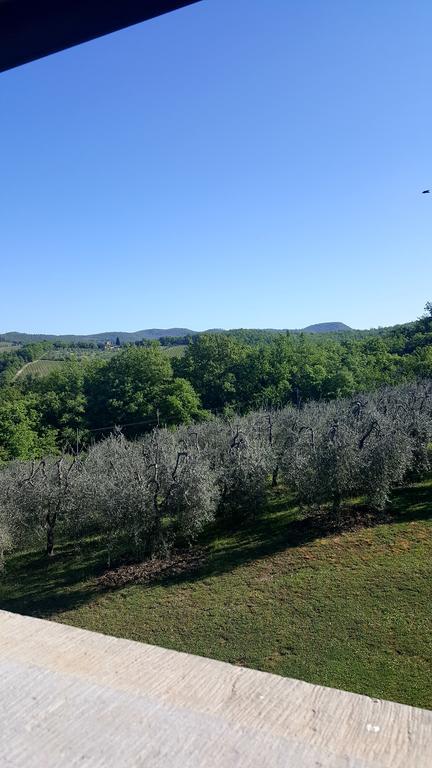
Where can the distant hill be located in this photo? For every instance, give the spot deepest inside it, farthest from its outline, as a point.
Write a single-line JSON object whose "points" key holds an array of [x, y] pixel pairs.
{"points": [[149, 333], [326, 328]]}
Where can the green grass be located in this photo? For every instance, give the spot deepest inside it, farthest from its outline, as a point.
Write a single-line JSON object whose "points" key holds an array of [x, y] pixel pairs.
{"points": [[350, 610]]}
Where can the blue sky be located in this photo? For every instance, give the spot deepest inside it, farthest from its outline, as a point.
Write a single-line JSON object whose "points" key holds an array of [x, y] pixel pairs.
{"points": [[238, 163]]}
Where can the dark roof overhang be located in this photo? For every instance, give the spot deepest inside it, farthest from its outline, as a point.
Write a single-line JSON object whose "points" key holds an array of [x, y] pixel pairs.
{"points": [[30, 29]]}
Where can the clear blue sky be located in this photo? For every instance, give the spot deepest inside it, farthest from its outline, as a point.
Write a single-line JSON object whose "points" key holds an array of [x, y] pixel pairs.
{"points": [[254, 163]]}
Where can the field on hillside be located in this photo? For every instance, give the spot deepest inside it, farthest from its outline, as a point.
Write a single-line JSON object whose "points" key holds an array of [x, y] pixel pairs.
{"points": [[176, 351], [38, 368], [347, 609], [54, 358]]}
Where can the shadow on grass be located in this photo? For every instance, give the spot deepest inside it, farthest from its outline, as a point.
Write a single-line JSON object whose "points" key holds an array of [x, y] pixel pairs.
{"points": [[412, 503], [38, 586]]}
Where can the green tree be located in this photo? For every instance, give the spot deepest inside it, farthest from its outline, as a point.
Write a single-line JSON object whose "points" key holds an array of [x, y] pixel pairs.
{"points": [[265, 376], [21, 434], [179, 403], [211, 363], [136, 385], [62, 401]]}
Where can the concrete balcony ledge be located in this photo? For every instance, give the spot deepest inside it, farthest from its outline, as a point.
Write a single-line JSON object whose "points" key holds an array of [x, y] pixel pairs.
{"points": [[69, 697]]}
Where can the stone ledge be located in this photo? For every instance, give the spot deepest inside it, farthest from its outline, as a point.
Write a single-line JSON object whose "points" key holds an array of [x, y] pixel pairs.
{"points": [[72, 697]]}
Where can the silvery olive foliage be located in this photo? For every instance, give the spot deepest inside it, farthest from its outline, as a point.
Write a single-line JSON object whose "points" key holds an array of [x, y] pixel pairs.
{"points": [[244, 470], [146, 496], [351, 447], [240, 458], [326, 464], [192, 495], [114, 496], [35, 499]]}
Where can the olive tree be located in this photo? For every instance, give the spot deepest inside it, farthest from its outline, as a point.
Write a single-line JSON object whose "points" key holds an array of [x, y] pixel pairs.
{"points": [[145, 495], [385, 459], [116, 495], [191, 494], [244, 469], [36, 497]]}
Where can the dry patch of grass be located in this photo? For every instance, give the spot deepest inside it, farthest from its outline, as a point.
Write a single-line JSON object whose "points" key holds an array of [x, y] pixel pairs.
{"points": [[178, 564]]}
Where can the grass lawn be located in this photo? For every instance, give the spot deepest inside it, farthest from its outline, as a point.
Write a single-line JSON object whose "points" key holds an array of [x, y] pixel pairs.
{"points": [[351, 610]]}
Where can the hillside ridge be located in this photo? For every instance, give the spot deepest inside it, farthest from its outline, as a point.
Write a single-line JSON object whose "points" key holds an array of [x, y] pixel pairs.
{"points": [[154, 333]]}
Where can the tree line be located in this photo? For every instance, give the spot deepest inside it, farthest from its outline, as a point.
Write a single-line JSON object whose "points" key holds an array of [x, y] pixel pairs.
{"points": [[139, 387]]}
